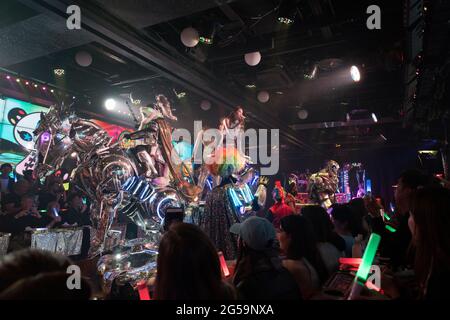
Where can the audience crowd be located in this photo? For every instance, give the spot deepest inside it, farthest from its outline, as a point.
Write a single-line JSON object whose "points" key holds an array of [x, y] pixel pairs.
{"points": [[288, 254]]}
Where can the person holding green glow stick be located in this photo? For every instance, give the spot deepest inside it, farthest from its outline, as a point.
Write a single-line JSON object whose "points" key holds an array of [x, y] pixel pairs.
{"points": [[364, 268]]}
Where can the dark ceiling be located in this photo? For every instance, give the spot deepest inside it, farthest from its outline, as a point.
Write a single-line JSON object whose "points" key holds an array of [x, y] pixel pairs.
{"points": [[136, 48]]}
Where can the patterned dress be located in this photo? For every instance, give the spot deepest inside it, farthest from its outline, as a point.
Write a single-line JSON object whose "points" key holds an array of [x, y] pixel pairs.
{"points": [[219, 215]]}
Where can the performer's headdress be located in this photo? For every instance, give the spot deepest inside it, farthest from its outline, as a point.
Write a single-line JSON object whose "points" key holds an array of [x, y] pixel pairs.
{"points": [[278, 191]]}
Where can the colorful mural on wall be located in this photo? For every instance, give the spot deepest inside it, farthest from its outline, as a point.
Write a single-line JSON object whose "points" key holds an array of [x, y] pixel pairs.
{"points": [[18, 119]]}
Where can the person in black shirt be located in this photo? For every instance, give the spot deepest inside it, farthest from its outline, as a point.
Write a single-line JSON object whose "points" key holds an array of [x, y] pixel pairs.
{"points": [[429, 224], [77, 213], [27, 216], [53, 193], [395, 245], [259, 272], [11, 202], [6, 182]]}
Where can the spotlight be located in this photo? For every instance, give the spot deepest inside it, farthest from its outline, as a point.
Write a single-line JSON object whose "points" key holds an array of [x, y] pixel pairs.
{"points": [[110, 104], [59, 72], [208, 37], [35, 85], [374, 117], [27, 83], [52, 91], [17, 80], [311, 74], [8, 77], [44, 88], [354, 72]]}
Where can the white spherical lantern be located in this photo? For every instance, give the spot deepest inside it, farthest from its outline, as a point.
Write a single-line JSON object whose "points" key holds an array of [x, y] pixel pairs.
{"points": [[302, 114], [83, 58], [252, 58], [205, 105], [189, 36], [263, 96]]}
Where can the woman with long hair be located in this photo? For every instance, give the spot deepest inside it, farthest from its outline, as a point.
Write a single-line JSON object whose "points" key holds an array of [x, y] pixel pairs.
{"points": [[302, 258], [429, 223], [329, 243], [189, 267]]}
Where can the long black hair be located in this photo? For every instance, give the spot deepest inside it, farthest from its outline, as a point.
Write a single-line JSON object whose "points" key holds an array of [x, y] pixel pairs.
{"points": [[303, 242]]}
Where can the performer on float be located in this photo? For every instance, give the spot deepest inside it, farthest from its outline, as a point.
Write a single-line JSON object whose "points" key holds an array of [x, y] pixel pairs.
{"points": [[219, 213], [201, 141], [323, 185]]}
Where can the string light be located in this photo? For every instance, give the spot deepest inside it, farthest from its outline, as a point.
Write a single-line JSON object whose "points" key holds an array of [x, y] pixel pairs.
{"points": [[35, 85]]}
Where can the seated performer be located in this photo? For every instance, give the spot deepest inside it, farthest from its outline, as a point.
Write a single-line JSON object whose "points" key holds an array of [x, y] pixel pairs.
{"points": [[154, 131], [233, 125]]}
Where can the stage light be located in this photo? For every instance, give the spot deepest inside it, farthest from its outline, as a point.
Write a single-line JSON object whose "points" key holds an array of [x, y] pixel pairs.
{"points": [[44, 88], [285, 20], [73, 154], [8, 77], [59, 72], [428, 152], [180, 94], [110, 104], [374, 117], [52, 91], [206, 40], [354, 72], [27, 83], [17, 80], [35, 85], [287, 12]]}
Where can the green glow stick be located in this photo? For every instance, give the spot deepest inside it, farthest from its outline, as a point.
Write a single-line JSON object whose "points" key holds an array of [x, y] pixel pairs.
{"points": [[387, 217], [391, 229], [367, 259]]}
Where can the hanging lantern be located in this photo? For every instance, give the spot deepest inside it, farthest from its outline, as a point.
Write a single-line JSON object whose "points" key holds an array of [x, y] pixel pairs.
{"points": [[189, 37], [263, 96], [252, 58], [83, 58], [205, 105]]}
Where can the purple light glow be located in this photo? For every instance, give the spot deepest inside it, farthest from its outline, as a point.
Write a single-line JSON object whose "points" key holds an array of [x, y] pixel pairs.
{"points": [[45, 137]]}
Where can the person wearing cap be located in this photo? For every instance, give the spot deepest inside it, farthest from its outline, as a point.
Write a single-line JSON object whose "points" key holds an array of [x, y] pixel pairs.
{"points": [[280, 209], [259, 272]]}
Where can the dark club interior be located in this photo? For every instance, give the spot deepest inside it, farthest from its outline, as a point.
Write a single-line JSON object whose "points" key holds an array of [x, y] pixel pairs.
{"points": [[229, 150]]}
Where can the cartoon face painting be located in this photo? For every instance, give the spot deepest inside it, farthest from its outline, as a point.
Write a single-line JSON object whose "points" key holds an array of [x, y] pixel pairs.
{"points": [[24, 125]]}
